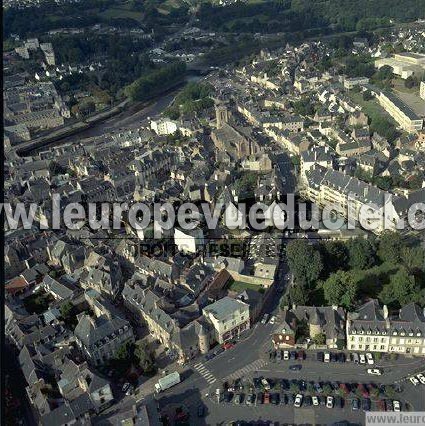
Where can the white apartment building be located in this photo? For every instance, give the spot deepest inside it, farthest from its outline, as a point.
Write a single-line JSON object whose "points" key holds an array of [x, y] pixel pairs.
{"points": [[229, 317], [372, 329], [405, 116], [163, 127]]}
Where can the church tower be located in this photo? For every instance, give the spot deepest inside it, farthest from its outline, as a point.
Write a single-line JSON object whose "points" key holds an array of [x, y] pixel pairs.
{"points": [[222, 115]]}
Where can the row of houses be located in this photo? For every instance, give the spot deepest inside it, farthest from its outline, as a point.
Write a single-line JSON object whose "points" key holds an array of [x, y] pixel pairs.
{"points": [[370, 328]]}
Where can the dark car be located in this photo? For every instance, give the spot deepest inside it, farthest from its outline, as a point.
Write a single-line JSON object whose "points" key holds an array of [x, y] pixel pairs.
{"points": [[275, 398], [307, 401], [291, 399], [380, 405], [366, 404], [296, 367], [228, 396], [341, 357], [334, 386], [292, 355], [318, 388], [320, 356], [333, 357], [339, 402], [218, 351], [259, 397], [389, 405], [284, 384], [303, 386], [301, 355], [355, 404], [209, 356], [257, 382], [201, 411], [283, 399], [322, 400]]}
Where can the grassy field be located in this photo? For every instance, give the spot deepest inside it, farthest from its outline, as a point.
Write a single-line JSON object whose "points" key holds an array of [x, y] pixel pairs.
{"points": [[122, 12], [240, 286], [371, 108]]}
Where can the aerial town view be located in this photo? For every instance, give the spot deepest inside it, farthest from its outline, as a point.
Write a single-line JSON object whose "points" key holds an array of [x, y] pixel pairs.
{"points": [[213, 212]]}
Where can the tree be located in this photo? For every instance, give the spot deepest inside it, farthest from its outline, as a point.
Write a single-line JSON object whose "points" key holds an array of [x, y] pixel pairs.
{"points": [[145, 359], [341, 289], [298, 294], [319, 339], [411, 82], [367, 96], [401, 289], [304, 261], [334, 255], [389, 248], [360, 253], [413, 258]]}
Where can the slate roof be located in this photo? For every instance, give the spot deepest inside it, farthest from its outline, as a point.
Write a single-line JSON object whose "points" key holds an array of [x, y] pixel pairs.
{"points": [[91, 331]]}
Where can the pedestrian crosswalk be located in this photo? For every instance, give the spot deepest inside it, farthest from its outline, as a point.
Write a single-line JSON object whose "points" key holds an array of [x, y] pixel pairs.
{"points": [[205, 373], [253, 366]]}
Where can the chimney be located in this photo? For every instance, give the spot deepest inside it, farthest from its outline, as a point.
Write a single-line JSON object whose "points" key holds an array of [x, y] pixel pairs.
{"points": [[385, 311]]}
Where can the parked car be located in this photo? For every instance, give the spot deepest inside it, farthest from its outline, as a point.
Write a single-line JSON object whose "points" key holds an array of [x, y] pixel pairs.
{"points": [[201, 411], [209, 356], [397, 406], [250, 399], [307, 401], [125, 387], [362, 359], [278, 355], [275, 398], [292, 355], [330, 402], [366, 404], [327, 357], [130, 390], [283, 399], [339, 402], [389, 405], [355, 358], [374, 371], [344, 388], [228, 345], [228, 396], [320, 356], [266, 398], [260, 397], [355, 404], [333, 357], [362, 389], [369, 358], [414, 381], [315, 400], [238, 399], [284, 384], [300, 355], [318, 388], [295, 367], [421, 378], [286, 355], [272, 320], [265, 319], [257, 382], [298, 401], [266, 384], [341, 357]]}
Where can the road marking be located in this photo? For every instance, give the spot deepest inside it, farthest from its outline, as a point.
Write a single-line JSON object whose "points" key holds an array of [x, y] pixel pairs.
{"points": [[205, 373]]}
